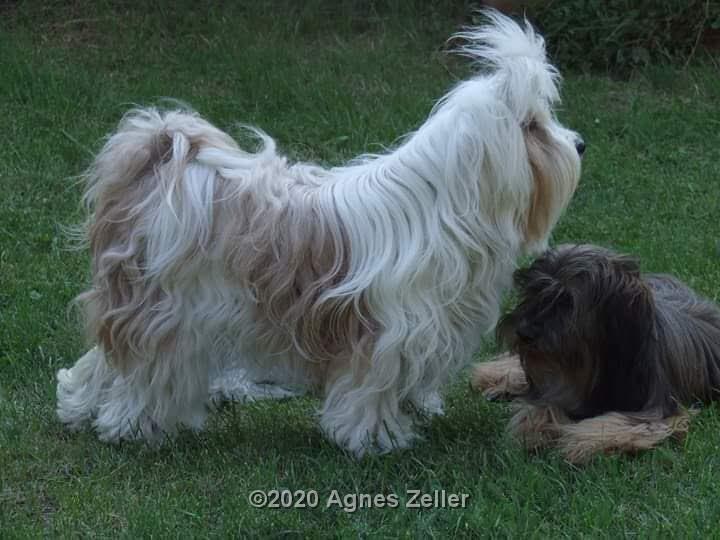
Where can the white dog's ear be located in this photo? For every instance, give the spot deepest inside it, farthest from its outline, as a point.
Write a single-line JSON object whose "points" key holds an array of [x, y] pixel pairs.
{"points": [[515, 56]]}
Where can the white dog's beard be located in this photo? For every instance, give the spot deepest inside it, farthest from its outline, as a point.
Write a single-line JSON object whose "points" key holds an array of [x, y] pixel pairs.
{"points": [[372, 283]]}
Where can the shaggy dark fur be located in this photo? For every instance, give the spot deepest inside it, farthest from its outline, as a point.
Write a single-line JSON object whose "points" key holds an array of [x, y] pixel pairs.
{"points": [[594, 335], [602, 357]]}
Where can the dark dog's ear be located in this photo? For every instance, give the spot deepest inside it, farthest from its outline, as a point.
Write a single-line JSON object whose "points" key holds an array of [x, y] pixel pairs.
{"points": [[515, 328], [627, 265], [630, 373], [505, 330], [543, 299]]}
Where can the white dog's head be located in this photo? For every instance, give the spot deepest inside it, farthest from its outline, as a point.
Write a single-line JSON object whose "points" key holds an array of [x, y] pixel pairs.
{"points": [[520, 91]]}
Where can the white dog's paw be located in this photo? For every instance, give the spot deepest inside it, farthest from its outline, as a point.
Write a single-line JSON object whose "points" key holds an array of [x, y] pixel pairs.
{"points": [[397, 438], [81, 389], [361, 438], [428, 405], [74, 413]]}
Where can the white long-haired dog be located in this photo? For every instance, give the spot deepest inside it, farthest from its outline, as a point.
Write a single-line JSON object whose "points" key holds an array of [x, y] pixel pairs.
{"points": [[372, 282]]}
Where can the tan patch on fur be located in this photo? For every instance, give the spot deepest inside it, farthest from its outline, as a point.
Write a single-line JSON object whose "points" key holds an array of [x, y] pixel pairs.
{"points": [[499, 377], [117, 281], [288, 260], [540, 213], [273, 238], [119, 305]]}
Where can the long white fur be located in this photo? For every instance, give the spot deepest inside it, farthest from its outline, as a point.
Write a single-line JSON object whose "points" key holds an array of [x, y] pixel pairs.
{"points": [[424, 241]]}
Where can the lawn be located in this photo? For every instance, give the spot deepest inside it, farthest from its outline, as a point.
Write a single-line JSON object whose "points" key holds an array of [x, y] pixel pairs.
{"points": [[327, 87]]}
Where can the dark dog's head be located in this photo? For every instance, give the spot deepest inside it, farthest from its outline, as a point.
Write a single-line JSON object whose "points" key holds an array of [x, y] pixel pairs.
{"points": [[582, 329]]}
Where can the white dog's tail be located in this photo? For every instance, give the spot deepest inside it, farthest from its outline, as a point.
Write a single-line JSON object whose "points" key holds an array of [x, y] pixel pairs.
{"points": [[152, 195], [517, 56]]}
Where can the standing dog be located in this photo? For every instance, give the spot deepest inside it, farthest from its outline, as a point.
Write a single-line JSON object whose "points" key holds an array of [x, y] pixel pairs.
{"points": [[371, 282], [606, 356]]}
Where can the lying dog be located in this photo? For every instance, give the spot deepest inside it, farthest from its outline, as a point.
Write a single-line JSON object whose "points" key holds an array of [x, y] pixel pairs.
{"points": [[604, 357]]}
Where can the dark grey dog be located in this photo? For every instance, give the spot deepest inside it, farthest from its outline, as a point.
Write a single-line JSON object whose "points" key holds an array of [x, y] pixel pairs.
{"points": [[605, 356]]}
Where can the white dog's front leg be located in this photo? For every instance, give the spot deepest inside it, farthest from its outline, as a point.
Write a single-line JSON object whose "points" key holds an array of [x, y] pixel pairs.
{"points": [[363, 419]]}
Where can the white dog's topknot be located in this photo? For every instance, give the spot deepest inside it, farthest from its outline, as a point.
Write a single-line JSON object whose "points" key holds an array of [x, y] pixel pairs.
{"points": [[516, 55], [501, 39]]}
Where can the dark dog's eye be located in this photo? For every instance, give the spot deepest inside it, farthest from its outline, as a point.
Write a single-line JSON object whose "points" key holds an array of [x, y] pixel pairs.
{"points": [[532, 125]]}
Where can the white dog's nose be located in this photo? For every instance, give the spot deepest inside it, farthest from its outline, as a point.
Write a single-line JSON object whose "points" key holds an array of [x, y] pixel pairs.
{"points": [[580, 146]]}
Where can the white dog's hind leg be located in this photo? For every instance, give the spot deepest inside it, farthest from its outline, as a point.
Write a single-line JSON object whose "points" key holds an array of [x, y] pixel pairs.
{"points": [[157, 397], [81, 388], [149, 402]]}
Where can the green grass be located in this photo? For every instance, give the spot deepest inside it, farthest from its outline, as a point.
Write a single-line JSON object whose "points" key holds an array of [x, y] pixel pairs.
{"points": [[327, 86]]}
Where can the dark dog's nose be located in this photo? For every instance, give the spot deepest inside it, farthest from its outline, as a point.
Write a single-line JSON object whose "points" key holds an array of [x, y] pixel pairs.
{"points": [[580, 147]]}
